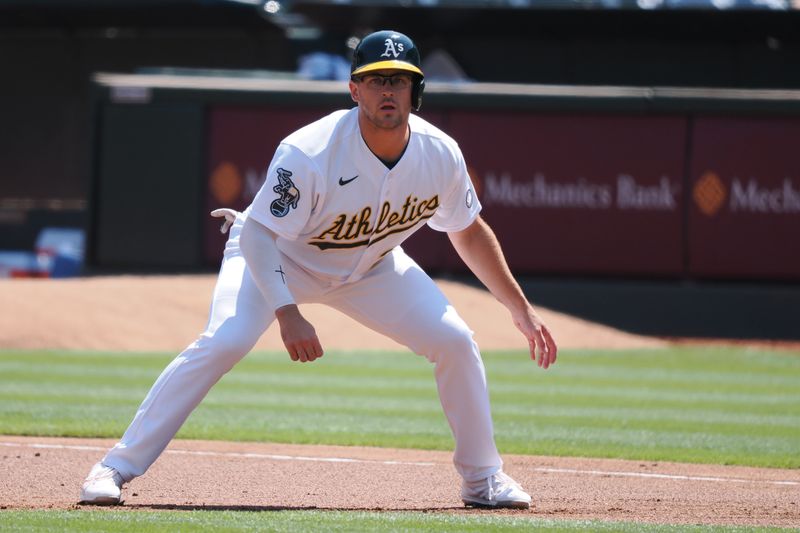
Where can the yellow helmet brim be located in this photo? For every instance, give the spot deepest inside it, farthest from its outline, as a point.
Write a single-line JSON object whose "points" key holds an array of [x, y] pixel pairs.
{"points": [[387, 65]]}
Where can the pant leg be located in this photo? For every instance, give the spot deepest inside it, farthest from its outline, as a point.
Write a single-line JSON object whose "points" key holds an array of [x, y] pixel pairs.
{"points": [[238, 317], [398, 299]]}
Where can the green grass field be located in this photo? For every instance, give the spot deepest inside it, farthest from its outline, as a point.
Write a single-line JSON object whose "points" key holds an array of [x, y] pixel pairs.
{"points": [[721, 405], [294, 521]]}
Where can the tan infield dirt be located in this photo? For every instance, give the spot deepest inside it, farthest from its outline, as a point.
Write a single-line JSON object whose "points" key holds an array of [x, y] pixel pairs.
{"points": [[165, 313], [157, 313]]}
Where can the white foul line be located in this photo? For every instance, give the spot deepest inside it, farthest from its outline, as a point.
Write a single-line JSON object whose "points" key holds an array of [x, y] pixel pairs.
{"points": [[298, 458], [226, 454], [663, 476], [410, 463]]}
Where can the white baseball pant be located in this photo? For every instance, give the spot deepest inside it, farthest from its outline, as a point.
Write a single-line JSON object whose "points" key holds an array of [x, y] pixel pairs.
{"points": [[395, 298]]}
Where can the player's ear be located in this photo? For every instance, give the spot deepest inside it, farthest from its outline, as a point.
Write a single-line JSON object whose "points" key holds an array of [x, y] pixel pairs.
{"points": [[354, 91]]}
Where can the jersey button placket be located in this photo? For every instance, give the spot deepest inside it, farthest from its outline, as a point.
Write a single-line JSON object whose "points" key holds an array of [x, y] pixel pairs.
{"points": [[365, 262]]}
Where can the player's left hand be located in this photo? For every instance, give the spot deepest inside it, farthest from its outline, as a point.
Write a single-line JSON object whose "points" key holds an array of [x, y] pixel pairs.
{"points": [[539, 338]]}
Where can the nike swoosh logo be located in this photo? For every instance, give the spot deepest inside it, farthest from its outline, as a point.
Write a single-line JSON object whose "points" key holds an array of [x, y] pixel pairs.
{"points": [[343, 181]]}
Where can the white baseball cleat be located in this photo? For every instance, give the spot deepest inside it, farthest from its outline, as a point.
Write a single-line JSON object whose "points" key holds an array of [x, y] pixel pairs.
{"points": [[497, 491], [103, 486]]}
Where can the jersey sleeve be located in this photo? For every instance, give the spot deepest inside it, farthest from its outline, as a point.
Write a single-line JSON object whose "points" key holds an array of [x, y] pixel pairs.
{"points": [[459, 205], [285, 200]]}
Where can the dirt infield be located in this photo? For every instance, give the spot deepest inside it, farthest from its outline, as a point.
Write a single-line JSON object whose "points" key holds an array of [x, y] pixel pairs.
{"points": [[166, 312], [45, 473]]}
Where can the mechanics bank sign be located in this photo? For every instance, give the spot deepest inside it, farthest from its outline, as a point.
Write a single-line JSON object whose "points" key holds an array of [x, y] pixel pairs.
{"points": [[711, 195], [754, 197], [624, 193]]}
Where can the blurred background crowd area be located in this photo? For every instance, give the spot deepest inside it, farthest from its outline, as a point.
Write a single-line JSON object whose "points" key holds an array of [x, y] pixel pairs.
{"points": [[634, 151]]}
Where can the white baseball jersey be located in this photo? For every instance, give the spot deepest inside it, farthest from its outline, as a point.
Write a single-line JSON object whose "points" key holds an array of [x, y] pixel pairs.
{"points": [[337, 209]]}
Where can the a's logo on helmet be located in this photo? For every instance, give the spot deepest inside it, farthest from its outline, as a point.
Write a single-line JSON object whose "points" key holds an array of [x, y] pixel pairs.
{"points": [[289, 195], [392, 48]]}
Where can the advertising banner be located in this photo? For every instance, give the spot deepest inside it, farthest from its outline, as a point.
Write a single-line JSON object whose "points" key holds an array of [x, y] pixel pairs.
{"points": [[565, 194], [744, 213], [579, 194]]}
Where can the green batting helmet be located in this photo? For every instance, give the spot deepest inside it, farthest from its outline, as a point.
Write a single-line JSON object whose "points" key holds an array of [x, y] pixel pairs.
{"points": [[388, 49]]}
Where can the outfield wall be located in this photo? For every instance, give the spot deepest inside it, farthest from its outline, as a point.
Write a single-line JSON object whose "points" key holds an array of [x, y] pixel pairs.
{"points": [[594, 182]]}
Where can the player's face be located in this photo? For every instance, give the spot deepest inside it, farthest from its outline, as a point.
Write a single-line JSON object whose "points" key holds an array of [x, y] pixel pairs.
{"points": [[384, 97]]}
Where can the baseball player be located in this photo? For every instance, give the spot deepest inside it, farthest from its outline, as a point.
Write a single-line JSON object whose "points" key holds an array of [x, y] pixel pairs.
{"points": [[340, 196]]}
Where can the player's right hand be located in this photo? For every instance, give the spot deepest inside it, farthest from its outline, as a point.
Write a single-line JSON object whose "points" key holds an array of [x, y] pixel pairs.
{"points": [[299, 336], [228, 214]]}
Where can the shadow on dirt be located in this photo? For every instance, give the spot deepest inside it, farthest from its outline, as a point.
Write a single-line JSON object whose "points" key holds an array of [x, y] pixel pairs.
{"points": [[272, 508]]}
